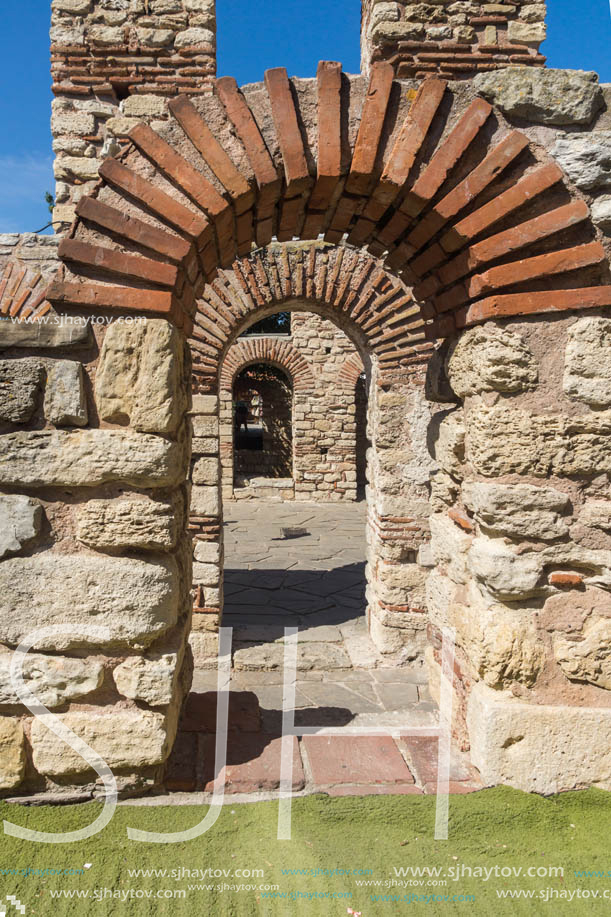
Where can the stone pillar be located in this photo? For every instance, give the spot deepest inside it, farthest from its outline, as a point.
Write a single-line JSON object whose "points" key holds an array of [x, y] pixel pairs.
{"points": [[95, 454], [455, 40], [520, 525], [399, 468], [206, 529], [114, 64]]}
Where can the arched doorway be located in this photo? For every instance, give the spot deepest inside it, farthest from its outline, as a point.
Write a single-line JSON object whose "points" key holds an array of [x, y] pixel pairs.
{"points": [[262, 408]]}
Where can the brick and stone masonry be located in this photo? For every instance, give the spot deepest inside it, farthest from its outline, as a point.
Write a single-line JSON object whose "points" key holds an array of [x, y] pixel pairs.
{"points": [[465, 250]]}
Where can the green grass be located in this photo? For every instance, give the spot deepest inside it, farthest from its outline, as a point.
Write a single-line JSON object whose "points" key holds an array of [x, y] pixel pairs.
{"points": [[500, 827]]}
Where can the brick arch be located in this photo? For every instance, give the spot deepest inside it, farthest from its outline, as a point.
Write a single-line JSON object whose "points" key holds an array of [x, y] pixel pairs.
{"points": [[352, 370], [472, 215], [348, 287], [279, 353]]}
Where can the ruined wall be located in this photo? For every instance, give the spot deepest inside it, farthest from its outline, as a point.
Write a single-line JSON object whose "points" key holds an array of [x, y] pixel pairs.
{"points": [[114, 63], [456, 40], [95, 451], [274, 412]]}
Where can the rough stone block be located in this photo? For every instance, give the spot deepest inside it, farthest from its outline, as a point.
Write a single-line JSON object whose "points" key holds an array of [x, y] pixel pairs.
{"points": [[20, 522], [152, 678], [205, 501], [12, 753], [490, 359], [208, 552], [206, 471], [518, 510], [192, 38], [205, 404], [587, 365], [539, 94], [144, 106], [88, 458], [138, 522], [67, 168], [503, 440], [586, 657], [526, 33], [53, 679], [538, 748], [65, 402], [126, 739], [140, 377], [20, 383], [585, 157], [206, 574], [449, 443], [136, 601]]}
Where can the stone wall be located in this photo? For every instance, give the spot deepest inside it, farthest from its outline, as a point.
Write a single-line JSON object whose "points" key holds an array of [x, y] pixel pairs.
{"points": [[114, 63], [93, 503], [456, 40], [520, 536]]}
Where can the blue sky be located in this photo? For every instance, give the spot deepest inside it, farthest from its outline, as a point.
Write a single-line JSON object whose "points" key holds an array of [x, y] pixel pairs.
{"points": [[252, 36]]}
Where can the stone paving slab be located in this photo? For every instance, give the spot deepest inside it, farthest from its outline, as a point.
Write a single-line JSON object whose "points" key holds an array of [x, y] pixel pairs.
{"points": [[253, 764], [355, 759]]}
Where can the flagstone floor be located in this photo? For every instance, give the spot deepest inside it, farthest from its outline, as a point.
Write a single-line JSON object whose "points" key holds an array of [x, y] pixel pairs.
{"points": [[302, 565]]}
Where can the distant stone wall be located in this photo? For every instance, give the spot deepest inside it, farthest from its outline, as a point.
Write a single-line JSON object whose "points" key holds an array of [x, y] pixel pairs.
{"points": [[324, 419], [455, 40], [114, 63]]}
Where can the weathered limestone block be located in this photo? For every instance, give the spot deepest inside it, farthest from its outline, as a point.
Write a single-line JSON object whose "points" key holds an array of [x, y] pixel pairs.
{"points": [[449, 446], [206, 471], [205, 647], [490, 359], [126, 739], [206, 574], [88, 458], [72, 122], [450, 545], [65, 401], [67, 168], [205, 404], [20, 522], [596, 514], [152, 678], [444, 491], [205, 426], [396, 582], [136, 601], [587, 366], [207, 552], [78, 7], [20, 382], [539, 94], [538, 748], [587, 657], [500, 643], [585, 157], [518, 510], [137, 522], [503, 440], [140, 377], [205, 501], [12, 753], [143, 106], [106, 35], [155, 38], [53, 679], [192, 38], [526, 33], [601, 213], [39, 336], [504, 573], [397, 632]]}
